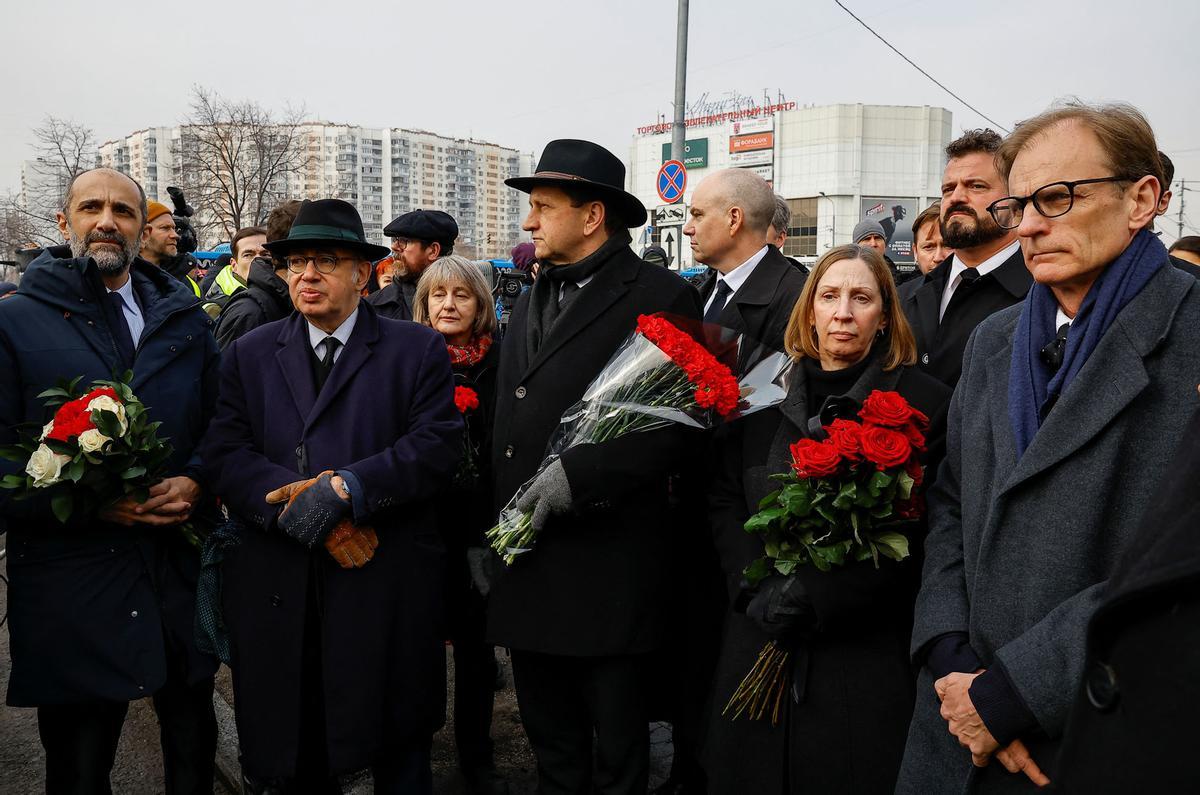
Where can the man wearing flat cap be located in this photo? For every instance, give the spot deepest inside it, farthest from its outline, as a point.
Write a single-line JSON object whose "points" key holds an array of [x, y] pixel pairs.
{"points": [[333, 428], [418, 238], [583, 611]]}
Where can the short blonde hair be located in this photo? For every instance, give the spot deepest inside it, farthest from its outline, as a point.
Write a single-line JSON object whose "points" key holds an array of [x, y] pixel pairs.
{"points": [[800, 338], [453, 268]]}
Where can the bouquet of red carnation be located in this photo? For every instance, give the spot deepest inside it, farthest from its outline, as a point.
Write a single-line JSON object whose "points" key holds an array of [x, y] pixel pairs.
{"points": [[842, 501], [659, 376], [466, 400], [99, 448]]}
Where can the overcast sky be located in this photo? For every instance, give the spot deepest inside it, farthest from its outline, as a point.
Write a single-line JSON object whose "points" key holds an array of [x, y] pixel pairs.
{"points": [[522, 72]]}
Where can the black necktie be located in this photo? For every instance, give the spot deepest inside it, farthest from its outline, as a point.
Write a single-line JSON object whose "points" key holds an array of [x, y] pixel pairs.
{"points": [[720, 296], [966, 280], [566, 295], [120, 330], [1053, 353], [325, 363]]}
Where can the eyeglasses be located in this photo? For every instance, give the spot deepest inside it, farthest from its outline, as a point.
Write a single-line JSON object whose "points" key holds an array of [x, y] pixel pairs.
{"points": [[1051, 201], [326, 263], [400, 242]]}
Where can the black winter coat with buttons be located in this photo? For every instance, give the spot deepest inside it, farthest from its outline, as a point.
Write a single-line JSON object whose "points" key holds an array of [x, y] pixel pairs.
{"points": [[596, 582], [92, 606], [1133, 726]]}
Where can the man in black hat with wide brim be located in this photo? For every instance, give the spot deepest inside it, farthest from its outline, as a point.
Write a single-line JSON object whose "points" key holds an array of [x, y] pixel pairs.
{"points": [[334, 428], [585, 609], [418, 239]]}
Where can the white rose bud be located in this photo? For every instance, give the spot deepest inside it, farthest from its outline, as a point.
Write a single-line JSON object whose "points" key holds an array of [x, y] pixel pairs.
{"points": [[46, 429], [105, 403], [92, 440], [45, 467]]}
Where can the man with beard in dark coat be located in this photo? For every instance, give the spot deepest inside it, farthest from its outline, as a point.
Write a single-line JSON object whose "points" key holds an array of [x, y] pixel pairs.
{"points": [[266, 297], [101, 607], [985, 274], [418, 239], [584, 610]]}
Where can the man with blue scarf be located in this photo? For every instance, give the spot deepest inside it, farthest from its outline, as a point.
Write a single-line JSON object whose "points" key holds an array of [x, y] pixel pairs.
{"points": [[1069, 406]]}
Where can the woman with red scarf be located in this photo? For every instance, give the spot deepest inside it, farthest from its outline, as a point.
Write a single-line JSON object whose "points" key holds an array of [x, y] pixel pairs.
{"points": [[453, 297]]}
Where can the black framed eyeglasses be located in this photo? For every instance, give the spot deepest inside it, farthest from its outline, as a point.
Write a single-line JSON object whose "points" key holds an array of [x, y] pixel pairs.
{"points": [[1051, 201], [325, 263]]}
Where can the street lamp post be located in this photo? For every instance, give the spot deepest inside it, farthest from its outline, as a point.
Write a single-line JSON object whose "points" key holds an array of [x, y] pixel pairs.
{"points": [[832, 219]]}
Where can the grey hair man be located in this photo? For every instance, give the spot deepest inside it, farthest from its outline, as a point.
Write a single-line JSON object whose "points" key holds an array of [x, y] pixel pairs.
{"points": [[777, 232]]}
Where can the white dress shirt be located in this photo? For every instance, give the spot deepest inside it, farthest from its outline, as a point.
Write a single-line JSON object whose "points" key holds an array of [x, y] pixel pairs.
{"points": [[983, 269], [131, 310], [316, 337], [737, 277]]}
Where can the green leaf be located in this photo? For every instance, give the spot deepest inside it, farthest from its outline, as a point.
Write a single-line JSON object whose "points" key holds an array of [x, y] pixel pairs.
{"points": [[845, 496], [905, 485], [768, 500], [12, 481], [878, 482], [14, 453], [797, 498], [62, 448], [106, 422], [771, 548], [75, 470], [757, 571], [892, 545], [61, 504], [786, 567], [56, 392], [133, 472], [762, 520]]}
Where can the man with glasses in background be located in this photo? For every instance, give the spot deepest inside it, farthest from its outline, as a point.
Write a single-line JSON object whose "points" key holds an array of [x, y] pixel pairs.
{"points": [[333, 595], [418, 239], [986, 272], [1068, 410]]}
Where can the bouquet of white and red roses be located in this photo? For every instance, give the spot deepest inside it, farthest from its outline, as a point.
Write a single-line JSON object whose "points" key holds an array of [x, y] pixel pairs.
{"points": [[99, 448], [659, 376], [843, 501]]}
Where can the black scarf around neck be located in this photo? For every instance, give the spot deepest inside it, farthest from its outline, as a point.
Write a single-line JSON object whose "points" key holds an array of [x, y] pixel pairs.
{"points": [[543, 298]]}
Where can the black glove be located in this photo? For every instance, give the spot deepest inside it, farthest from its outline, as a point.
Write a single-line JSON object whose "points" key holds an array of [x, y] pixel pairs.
{"points": [[313, 508], [781, 609]]}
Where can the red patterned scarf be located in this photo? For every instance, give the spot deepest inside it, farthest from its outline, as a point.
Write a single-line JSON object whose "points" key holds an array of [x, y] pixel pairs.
{"points": [[470, 354]]}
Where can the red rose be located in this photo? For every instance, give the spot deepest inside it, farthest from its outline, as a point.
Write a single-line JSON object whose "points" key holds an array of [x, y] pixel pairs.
{"points": [[844, 435], [813, 459], [465, 399], [887, 409], [912, 508], [884, 447], [915, 471]]}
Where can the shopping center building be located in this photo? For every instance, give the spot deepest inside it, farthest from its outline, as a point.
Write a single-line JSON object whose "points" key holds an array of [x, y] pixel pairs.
{"points": [[834, 164]]}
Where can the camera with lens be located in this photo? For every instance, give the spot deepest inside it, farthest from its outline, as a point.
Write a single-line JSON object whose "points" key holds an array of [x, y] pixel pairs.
{"points": [[507, 284]]}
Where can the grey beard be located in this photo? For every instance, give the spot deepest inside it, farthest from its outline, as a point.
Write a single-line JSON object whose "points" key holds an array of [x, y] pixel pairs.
{"points": [[107, 261]]}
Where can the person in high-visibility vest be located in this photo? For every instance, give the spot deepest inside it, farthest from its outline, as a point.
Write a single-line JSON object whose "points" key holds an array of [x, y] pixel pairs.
{"points": [[247, 244]]}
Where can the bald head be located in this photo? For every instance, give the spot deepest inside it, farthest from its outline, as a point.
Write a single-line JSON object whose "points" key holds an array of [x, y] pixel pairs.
{"points": [[730, 213]]}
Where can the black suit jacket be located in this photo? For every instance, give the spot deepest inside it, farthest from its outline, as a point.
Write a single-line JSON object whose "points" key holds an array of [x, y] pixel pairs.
{"points": [[597, 581], [940, 344], [389, 302], [761, 307]]}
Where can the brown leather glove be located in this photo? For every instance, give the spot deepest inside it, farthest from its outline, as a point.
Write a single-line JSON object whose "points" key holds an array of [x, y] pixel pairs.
{"points": [[292, 490], [351, 546]]}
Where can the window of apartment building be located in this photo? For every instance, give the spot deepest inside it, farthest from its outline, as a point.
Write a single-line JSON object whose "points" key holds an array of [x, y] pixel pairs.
{"points": [[802, 234]]}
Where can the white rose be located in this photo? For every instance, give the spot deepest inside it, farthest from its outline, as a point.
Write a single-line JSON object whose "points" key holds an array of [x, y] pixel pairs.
{"points": [[46, 429], [105, 403], [92, 440], [45, 467]]}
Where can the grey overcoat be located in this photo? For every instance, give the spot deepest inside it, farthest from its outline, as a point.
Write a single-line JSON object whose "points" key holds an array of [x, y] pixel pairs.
{"points": [[1019, 553]]}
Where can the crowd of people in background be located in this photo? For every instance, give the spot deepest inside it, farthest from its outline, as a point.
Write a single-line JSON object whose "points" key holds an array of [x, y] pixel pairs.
{"points": [[351, 417]]}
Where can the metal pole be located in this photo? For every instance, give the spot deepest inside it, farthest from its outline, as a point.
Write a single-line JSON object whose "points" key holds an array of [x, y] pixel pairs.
{"points": [[1182, 199], [832, 219], [678, 131]]}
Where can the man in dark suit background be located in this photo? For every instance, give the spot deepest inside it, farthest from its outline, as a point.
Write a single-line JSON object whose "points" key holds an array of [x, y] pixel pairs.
{"points": [[333, 597], [985, 274], [585, 609], [751, 287]]}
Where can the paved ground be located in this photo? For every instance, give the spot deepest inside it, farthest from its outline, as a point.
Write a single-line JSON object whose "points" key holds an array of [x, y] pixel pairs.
{"points": [[139, 761]]}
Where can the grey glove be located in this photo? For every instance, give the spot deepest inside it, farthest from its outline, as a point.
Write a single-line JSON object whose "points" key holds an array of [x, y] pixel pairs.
{"points": [[547, 495], [481, 563]]}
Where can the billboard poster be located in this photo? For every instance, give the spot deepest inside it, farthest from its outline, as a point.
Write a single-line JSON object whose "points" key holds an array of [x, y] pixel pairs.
{"points": [[757, 157], [750, 142], [764, 124], [895, 215], [766, 172]]}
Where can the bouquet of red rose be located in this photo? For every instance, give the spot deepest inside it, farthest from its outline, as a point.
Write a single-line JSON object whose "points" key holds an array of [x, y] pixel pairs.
{"points": [[842, 501], [659, 376], [99, 448]]}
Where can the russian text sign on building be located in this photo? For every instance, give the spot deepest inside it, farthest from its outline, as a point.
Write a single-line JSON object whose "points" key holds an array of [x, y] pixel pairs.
{"points": [[695, 153], [672, 179]]}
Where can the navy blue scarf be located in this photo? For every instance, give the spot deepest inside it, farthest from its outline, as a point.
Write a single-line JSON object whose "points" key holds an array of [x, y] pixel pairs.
{"points": [[1032, 387]]}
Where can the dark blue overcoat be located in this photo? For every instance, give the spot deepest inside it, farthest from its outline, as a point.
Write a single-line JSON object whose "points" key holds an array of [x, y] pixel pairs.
{"points": [[387, 414], [88, 603]]}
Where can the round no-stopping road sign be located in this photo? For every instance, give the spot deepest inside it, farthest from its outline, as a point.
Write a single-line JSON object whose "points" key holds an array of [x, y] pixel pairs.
{"points": [[672, 179]]}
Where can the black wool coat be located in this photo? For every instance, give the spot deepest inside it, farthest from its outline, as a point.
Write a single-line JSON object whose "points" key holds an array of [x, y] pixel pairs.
{"points": [[761, 307], [847, 733], [941, 343], [265, 300], [595, 583], [390, 302], [1132, 727]]}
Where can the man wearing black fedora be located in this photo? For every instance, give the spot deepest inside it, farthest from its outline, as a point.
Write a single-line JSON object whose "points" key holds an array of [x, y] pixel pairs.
{"points": [[418, 239], [334, 427], [583, 612]]}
